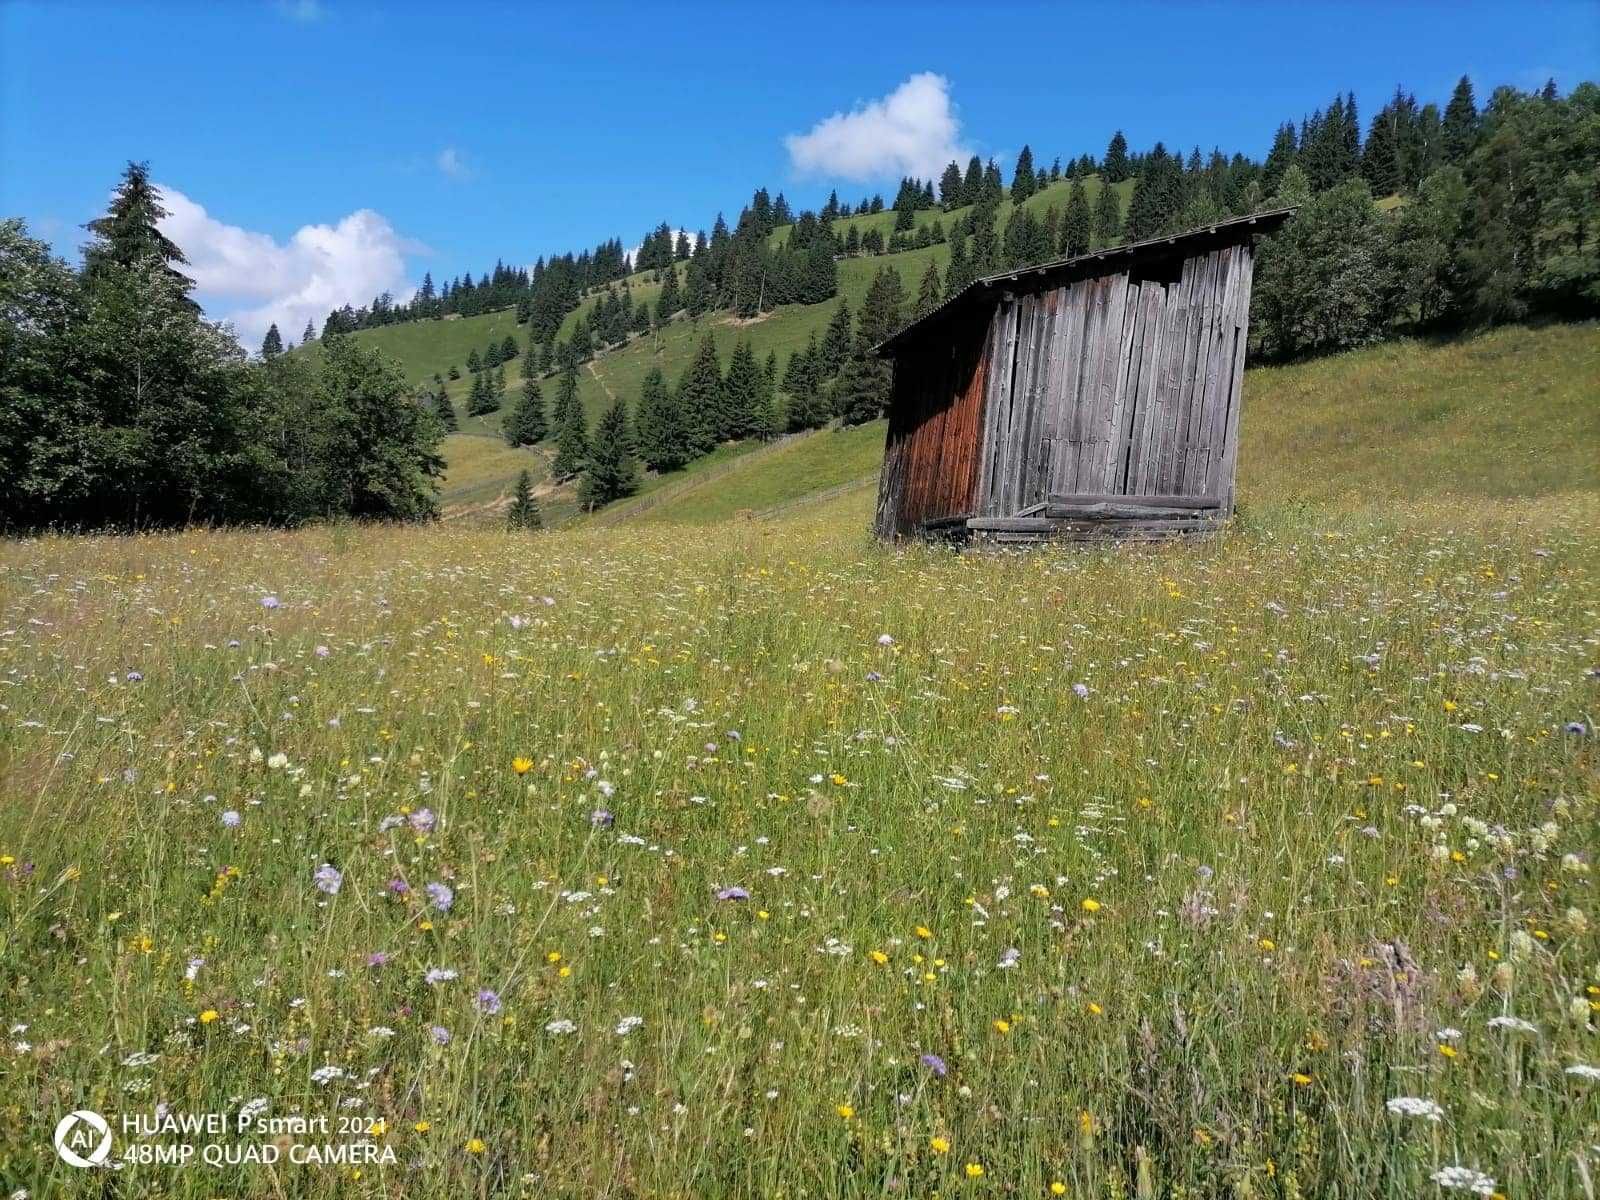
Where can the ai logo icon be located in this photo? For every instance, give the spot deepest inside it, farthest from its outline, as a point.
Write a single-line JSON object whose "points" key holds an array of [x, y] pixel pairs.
{"points": [[83, 1139]]}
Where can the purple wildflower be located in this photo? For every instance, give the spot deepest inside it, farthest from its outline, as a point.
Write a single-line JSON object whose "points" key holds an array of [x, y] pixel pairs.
{"points": [[422, 820], [439, 1034], [269, 602], [134, 676], [328, 879], [378, 958], [1081, 691], [442, 895], [489, 1001], [733, 893], [322, 652], [1575, 728], [601, 818], [231, 819], [935, 1064], [399, 887]]}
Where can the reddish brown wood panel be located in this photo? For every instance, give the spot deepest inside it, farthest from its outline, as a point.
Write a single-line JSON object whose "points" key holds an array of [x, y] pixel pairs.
{"points": [[931, 457]]}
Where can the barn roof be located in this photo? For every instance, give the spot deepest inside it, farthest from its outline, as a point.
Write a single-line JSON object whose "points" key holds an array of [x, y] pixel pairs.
{"points": [[980, 290]]}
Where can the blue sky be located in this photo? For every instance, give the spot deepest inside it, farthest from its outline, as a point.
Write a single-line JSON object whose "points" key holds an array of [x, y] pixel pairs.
{"points": [[324, 148]]}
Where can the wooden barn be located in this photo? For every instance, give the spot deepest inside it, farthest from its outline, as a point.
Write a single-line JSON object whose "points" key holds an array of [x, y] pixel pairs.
{"points": [[1097, 396]]}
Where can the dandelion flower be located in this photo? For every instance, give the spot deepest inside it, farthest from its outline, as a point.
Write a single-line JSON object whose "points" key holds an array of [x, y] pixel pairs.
{"points": [[1090, 905], [939, 1145], [845, 1111], [521, 765], [974, 1170]]}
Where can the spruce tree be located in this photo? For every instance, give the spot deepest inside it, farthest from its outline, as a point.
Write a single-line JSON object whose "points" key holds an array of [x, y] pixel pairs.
{"points": [[310, 335], [610, 472], [445, 411], [523, 515], [835, 344], [972, 182], [272, 344], [928, 294], [1023, 183], [566, 397], [950, 187], [659, 432], [1115, 167], [1459, 130], [670, 300], [129, 232], [1107, 218], [1380, 158], [959, 273], [525, 424], [741, 395], [765, 425], [700, 397], [1077, 227], [863, 388], [572, 444]]}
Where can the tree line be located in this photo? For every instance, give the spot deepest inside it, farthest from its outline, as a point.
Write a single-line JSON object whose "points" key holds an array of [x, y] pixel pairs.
{"points": [[122, 407]]}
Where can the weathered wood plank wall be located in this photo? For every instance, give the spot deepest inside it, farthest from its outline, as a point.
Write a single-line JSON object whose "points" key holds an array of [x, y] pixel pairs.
{"points": [[1125, 383]]}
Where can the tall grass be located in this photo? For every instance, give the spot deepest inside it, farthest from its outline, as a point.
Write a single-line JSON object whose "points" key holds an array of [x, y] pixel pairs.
{"points": [[1180, 863]]}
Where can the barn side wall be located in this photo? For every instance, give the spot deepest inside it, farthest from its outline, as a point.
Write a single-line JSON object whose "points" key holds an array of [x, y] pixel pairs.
{"points": [[930, 467]]}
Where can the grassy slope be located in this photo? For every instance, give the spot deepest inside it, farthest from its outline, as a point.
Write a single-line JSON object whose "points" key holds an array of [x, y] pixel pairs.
{"points": [[807, 466], [1506, 414], [433, 346]]}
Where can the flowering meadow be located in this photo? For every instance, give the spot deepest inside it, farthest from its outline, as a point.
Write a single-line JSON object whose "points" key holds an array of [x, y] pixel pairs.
{"points": [[759, 860]]}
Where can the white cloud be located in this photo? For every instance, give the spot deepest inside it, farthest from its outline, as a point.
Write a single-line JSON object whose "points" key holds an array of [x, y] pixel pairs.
{"points": [[252, 280], [453, 163], [306, 12], [911, 131]]}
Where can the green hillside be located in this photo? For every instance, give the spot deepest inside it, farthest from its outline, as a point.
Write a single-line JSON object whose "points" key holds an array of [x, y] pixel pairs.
{"points": [[1505, 416], [478, 471]]}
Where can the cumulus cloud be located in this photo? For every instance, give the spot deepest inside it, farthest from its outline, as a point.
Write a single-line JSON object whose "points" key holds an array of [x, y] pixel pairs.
{"points": [[253, 280], [911, 131], [453, 163]]}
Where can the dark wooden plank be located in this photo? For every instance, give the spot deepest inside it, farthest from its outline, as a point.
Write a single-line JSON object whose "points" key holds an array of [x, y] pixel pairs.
{"points": [[1064, 454], [1158, 473], [1147, 400], [1107, 510], [1170, 500], [1219, 340], [1197, 273], [1230, 438]]}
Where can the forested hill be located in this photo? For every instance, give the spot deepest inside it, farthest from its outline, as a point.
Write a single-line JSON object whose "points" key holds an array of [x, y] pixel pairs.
{"points": [[1411, 227], [596, 373]]}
